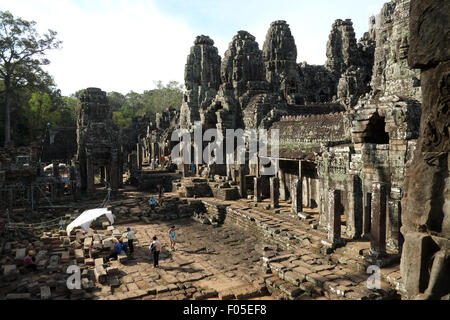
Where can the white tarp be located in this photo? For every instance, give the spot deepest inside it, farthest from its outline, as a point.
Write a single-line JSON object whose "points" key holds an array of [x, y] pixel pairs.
{"points": [[85, 219], [50, 166]]}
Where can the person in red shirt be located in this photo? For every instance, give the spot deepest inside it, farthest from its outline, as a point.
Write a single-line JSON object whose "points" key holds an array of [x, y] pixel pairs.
{"points": [[30, 261]]}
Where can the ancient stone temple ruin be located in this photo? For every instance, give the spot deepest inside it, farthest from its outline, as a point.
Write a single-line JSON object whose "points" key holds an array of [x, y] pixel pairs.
{"points": [[98, 144], [359, 147]]}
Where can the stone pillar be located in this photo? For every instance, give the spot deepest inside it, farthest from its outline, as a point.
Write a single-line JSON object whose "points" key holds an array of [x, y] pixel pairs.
{"points": [[354, 223], [108, 173], [297, 196], [366, 214], [114, 172], [378, 218], [242, 183], [89, 176], [283, 193], [334, 218], [133, 162], [274, 192], [139, 155], [257, 189], [394, 237], [102, 173]]}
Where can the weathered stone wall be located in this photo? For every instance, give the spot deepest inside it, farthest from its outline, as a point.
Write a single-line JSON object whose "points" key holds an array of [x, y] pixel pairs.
{"points": [[425, 264], [391, 74]]}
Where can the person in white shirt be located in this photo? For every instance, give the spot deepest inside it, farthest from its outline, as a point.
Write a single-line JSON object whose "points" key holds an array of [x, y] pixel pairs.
{"points": [[155, 248], [130, 237]]}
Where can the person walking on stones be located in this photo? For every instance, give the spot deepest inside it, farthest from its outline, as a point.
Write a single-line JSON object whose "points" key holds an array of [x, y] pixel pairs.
{"points": [[130, 237], [172, 238], [155, 248]]}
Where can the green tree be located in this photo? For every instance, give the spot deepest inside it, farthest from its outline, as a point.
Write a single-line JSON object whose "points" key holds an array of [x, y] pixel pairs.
{"points": [[69, 112], [22, 53], [116, 100], [41, 113]]}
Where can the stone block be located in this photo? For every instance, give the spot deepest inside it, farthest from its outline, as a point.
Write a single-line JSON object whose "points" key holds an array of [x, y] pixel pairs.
{"points": [[89, 262], [45, 293], [108, 243], [18, 296], [87, 243], [113, 271], [20, 255], [100, 274], [99, 262], [122, 258], [79, 255], [65, 256], [10, 269]]}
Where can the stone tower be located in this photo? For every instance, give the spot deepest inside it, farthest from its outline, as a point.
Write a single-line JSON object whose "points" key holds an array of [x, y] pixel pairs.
{"points": [[280, 56], [98, 140], [202, 80]]}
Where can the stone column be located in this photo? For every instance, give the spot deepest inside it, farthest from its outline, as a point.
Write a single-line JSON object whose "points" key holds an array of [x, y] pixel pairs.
{"points": [[366, 214], [242, 182], [274, 192], [283, 193], [102, 173], [139, 155], [297, 196], [257, 189], [114, 172], [394, 222], [133, 161], [354, 223], [334, 218], [378, 225], [89, 176]]}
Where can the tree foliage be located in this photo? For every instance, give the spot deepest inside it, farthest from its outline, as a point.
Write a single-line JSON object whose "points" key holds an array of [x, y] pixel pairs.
{"points": [[22, 54], [133, 104]]}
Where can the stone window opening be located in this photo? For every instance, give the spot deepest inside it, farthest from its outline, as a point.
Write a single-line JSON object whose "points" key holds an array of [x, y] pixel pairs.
{"points": [[375, 132]]}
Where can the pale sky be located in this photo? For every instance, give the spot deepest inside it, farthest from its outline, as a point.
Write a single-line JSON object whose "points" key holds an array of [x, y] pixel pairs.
{"points": [[124, 45]]}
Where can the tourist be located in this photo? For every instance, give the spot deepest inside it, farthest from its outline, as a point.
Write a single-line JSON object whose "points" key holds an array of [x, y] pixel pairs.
{"points": [[130, 237], [172, 238], [119, 248], [161, 192], [62, 224], [153, 163], [163, 161], [152, 203], [155, 248], [192, 167], [30, 261]]}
